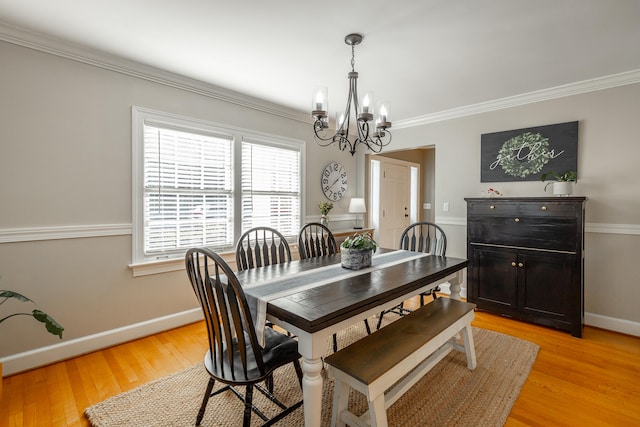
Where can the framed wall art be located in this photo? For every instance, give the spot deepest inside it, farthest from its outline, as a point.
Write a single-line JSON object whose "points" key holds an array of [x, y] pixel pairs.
{"points": [[525, 154]]}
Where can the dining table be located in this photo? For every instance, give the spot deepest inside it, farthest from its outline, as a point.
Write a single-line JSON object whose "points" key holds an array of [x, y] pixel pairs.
{"points": [[316, 298]]}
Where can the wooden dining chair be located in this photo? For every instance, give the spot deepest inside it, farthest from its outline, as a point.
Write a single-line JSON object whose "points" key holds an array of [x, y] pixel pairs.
{"points": [[425, 237], [261, 246], [235, 357], [316, 240]]}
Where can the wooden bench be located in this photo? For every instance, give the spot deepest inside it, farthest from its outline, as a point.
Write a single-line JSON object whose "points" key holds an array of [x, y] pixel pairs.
{"points": [[411, 345]]}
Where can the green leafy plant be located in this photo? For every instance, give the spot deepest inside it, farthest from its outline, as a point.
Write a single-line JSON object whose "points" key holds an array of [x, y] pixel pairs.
{"points": [[362, 241], [568, 176], [52, 326], [325, 207]]}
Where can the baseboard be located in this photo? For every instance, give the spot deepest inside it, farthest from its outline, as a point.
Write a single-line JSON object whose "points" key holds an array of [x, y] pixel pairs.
{"points": [[590, 319], [43, 356], [67, 349], [612, 324]]}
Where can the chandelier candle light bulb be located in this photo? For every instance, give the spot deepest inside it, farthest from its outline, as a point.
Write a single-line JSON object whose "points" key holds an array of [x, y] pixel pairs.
{"points": [[365, 103]]}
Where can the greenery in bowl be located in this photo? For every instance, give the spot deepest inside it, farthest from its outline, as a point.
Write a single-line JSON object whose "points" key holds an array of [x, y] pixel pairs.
{"points": [[568, 176], [52, 326], [362, 241]]}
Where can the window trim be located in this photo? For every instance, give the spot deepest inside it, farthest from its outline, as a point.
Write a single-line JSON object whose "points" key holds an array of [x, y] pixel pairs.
{"points": [[142, 265]]}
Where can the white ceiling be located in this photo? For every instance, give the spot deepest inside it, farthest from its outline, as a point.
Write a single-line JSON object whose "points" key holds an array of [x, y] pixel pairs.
{"points": [[423, 56]]}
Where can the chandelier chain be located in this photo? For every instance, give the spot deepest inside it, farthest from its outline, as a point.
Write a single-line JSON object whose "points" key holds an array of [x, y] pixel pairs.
{"points": [[353, 57]]}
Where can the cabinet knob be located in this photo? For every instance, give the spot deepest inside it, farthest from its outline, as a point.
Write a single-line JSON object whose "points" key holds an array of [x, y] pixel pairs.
{"points": [[520, 265], [492, 207], [517, 220], [513, 264], [544, 208]]}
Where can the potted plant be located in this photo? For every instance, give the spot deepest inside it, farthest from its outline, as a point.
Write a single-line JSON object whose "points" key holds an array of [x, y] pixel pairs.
{"points": [[562, 183], [325, 207], [52, 326], [356, 251]]}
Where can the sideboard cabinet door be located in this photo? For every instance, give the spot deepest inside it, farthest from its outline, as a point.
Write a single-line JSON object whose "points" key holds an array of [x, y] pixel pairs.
{"points": [[495, 279]]}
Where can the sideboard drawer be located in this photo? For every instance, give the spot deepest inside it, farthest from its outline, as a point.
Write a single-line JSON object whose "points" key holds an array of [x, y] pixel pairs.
{"points": [[492, 208], [525, 231], [552, 209], [497, 207]]}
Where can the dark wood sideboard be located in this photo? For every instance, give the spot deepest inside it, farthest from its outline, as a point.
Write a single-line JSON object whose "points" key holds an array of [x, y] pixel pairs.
{"points": [[526, 259]]}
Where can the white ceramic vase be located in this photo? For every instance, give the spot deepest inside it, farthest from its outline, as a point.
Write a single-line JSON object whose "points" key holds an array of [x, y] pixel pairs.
{"points": [[562, 189]]}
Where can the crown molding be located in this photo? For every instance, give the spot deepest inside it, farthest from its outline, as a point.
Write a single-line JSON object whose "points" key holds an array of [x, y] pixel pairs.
{"points": [[577, 88], [86, 55], [83, 54]]}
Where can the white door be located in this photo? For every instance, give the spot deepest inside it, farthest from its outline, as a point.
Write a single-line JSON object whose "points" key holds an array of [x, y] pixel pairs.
{"points": [[395, 191]]}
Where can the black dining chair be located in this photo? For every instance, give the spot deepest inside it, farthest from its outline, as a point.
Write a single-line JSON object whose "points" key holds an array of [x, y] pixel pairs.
{"points": [[261, 246], [235, 356], [316, 240], [425, 237]]}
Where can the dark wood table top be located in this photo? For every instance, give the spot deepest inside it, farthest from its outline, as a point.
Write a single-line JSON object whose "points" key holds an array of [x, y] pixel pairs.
{"points": [[314, 309]]}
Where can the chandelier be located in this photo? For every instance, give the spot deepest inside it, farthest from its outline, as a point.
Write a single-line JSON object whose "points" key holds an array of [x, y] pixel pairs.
{"points": [[371, 133]]}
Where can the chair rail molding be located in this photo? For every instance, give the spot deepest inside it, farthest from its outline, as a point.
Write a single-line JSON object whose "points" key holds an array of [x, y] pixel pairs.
{"points": [[31, 234], [590, 227]]}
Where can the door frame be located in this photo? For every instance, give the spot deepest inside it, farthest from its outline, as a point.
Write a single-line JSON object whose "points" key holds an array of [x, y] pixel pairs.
{"points": [[415, 197]]}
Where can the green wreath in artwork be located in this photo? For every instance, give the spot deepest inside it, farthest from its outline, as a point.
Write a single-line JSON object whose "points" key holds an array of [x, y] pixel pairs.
{"points": [[524, 155]]}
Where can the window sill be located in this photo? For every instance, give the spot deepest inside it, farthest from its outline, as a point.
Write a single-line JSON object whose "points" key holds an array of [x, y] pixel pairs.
{"points": [[169, 265], [177, 264]]}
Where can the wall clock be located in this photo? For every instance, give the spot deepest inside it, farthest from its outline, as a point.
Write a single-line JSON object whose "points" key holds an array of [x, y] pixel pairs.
{"points": [[334, 181]]}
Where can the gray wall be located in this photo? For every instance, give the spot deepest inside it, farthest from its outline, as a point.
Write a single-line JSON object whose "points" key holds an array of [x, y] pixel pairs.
{"points": [[65, 169], [608, 153]]}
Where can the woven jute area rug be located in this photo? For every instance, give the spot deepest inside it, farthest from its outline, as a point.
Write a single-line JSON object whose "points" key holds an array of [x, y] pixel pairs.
{"points": [[448, 395]]}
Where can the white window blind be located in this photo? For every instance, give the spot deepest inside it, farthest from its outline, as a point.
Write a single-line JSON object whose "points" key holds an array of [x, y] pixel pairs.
{"points": [[188, 196], [198, 183], [271, 193]]}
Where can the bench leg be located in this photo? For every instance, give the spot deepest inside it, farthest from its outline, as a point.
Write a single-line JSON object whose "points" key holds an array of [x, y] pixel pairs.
{"points": [[469, 347], [377, 412], [340, 402]]}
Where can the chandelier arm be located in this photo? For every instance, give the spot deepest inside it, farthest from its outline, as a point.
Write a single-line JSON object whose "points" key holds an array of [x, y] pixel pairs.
{"points": [[377, 143], [318, 133], [350, 100]]}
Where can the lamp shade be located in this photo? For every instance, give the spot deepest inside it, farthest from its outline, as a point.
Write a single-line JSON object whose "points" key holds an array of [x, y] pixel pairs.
{"points": [[356, 205]]}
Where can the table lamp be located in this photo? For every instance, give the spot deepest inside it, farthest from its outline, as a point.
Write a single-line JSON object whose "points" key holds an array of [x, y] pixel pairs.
{"points": [[357, 206]]}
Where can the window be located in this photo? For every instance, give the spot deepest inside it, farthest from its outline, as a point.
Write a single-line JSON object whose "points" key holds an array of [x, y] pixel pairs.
{"points": [[203, 184], [270, 187]]}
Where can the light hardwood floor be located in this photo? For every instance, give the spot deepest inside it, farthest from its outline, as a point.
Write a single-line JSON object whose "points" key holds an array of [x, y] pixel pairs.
{"points": [[593, 381]]}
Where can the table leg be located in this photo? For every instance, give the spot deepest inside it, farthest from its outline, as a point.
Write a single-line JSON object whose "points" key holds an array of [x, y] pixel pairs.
{"points": [[312, 391], [454, 287]]}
